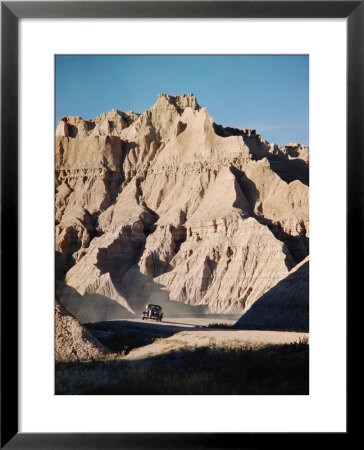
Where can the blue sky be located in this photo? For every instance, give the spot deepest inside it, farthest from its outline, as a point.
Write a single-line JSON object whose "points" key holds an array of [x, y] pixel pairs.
{"points": [[267, 93]]}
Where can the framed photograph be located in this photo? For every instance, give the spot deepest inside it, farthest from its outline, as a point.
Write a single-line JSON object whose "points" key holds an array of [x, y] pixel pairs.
{"points": [[182, 160]]}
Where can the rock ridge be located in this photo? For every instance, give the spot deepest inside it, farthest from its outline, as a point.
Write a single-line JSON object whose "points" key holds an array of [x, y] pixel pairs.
{"points": [[187, 210]]}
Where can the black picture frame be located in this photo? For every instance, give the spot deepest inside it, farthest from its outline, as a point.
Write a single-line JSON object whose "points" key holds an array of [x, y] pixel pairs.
{"points": [[11, 12]]}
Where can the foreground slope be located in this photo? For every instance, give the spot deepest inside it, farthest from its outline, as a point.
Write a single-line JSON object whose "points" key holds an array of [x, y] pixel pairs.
{"points": [[73, 341], [284, 307]]}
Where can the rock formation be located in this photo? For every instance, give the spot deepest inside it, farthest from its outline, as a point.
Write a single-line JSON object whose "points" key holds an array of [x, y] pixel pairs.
{"points": [[167, 206], [73, 341], [284, 307]]}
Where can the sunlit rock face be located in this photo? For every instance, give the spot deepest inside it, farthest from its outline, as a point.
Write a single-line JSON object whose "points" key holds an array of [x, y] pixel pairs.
{"points": [[167, 206]]}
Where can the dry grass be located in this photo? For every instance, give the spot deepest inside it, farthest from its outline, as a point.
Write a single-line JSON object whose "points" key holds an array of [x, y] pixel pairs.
{"points": [[272, 369], [225, 325]]}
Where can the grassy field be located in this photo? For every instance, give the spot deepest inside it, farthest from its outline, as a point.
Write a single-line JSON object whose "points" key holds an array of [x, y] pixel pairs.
{"points": [[208, 369]]}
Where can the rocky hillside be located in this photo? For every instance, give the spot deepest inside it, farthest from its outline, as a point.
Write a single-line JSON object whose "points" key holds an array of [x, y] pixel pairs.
{"points": [[284, 307], [168, 207], [73, 341]]}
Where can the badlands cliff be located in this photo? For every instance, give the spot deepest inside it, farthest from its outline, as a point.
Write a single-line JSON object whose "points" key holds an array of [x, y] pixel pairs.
{"points": [[168, 207]]}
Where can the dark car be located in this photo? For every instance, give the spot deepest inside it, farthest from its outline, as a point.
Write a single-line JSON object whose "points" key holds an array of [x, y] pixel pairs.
{"points": [[153, 312]]}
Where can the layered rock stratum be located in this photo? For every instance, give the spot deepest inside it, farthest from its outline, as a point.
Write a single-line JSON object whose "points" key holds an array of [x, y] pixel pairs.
{"points": [[169, 207]]}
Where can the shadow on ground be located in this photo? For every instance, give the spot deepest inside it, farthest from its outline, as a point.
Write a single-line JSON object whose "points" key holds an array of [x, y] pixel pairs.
{"points": [[123, 336], [272, 370]]}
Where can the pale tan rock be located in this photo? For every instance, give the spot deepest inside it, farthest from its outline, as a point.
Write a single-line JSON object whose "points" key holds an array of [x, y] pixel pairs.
{"points": [[73, 233], [226, 265], [73, 342], [107, 259], [173, 206], [87, 172], [161, 246], [62, 128]]}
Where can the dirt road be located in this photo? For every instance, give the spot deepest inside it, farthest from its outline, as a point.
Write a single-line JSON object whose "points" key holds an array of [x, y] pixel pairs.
{"points": [[189, 333]]}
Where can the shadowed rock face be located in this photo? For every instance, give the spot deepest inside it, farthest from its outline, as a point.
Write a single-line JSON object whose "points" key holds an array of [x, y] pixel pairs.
{"points": [[90, 307], [167, 205], [284, 307]]}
